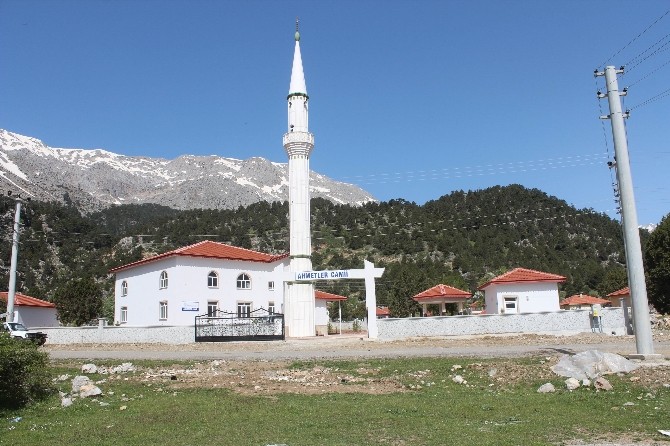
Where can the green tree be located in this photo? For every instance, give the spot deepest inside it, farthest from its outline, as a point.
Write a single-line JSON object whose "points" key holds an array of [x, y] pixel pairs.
{"points": [[406, 280], [78, 302], [615, 279], [657, 262]]}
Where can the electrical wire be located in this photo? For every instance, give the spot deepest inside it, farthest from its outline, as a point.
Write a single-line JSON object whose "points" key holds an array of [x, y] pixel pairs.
{"points": [[474, 171], [631, 66], [659, 96], [636, 37], [649, 74]]}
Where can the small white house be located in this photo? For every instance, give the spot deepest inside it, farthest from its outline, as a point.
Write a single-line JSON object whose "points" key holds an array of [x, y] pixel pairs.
{"points": [[441, 295], [32, 312], [174, 287], [522, 291]]}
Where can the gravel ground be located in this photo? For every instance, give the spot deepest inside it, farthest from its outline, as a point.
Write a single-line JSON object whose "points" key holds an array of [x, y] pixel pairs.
{"points": [[358, 346]]}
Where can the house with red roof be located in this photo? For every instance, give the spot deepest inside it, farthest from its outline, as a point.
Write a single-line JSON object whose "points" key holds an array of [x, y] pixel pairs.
{"points": [[383, 312], [620, 298], [582, 302], [441, 295], [173, 287], [321, 316], [31, 311], [522, 290]]}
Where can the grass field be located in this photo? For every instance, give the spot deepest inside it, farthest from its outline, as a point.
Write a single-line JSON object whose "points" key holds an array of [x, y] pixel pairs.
{"points": [[497, 406]]}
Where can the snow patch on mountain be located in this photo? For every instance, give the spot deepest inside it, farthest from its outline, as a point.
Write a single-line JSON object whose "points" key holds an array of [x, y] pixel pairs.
{"points": [[7, 164], [94, 179]]}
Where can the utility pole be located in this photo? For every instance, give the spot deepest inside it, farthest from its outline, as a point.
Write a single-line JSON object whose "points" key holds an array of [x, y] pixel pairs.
{"points": [[15, 254], [638, 289]]}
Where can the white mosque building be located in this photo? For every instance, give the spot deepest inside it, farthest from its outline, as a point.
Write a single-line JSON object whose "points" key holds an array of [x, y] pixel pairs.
{"points": [[173, 287]]}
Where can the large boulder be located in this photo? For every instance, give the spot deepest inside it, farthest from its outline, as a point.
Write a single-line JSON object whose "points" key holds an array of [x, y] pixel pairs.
{"points": [[592, 364]]}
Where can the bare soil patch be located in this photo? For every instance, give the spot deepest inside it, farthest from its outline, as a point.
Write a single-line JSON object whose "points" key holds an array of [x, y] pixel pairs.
{"points": [[270, 378], [274, 376]]}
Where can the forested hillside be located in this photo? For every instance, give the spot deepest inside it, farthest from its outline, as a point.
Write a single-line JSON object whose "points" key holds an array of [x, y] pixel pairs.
{"points": [[461, 239]]}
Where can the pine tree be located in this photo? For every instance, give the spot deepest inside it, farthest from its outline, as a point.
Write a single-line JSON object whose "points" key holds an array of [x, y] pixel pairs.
{"points": [[657, 260]]}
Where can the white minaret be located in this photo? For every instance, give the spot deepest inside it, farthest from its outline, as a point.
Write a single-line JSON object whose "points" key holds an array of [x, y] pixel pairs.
{"points": [[298, 143]]}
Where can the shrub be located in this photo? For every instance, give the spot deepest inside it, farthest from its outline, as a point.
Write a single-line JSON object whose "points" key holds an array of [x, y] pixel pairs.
{"points": [[24, 373]]}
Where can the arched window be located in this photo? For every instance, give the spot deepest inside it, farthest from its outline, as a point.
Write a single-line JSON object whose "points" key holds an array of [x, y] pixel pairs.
{"points": [[212, 280], [243, 282], [124, 288], [164, 280]]}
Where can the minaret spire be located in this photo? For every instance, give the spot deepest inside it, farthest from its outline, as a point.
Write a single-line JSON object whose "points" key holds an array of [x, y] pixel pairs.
{"points": [[297, 74], [298, 143]]}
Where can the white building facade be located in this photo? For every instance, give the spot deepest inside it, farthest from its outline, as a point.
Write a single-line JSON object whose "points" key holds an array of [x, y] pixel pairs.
{"points": [[174, 287], [522, 291], [33, 312]]}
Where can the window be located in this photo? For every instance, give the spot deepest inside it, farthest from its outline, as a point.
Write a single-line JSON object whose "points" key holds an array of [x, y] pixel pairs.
{"points": [[164, 280], [124, 314], [243, 282], [271, 307], [271, 285], [124, 288], [510, 304], [243, 309], [212, 308], [212, 280], [162, 314]]}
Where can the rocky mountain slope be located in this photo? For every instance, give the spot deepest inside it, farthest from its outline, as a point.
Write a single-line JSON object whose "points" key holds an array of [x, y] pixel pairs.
{"points": [[97, 179]]}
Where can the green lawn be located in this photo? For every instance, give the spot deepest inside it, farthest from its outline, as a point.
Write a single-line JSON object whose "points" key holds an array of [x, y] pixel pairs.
{"points": [[486, 411]]}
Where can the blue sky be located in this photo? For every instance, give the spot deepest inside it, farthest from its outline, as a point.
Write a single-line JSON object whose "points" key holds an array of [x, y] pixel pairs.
{"points": [[408, 99]]}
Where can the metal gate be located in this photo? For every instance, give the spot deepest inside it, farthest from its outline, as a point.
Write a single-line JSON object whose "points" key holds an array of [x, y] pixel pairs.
{"points": [[223, 326]]}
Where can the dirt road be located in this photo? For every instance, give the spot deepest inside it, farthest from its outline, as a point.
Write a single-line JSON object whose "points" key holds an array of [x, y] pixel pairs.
{"points": [[356, 346]]}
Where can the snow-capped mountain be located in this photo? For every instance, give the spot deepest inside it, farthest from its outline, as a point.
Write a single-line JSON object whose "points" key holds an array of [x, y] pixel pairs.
{"points": [[95, 179], [650, 227]]}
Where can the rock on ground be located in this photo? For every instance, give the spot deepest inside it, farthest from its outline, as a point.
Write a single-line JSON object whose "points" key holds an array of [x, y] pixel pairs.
{"points": [[78, 382], [602, 384], [572, 383], [546, 388]]}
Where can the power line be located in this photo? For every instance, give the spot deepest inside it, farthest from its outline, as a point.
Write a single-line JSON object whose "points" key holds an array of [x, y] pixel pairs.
{"points": [[636, 37], [481, 170], [655, 52], [659, 96], [649, 74]]}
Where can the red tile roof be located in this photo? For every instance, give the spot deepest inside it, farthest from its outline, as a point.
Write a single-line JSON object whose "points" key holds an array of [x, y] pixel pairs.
{"points": [[327, 296], [622, 292], [442, 291], [582, 299], [22, 300], [209, 249], [518, 275], [383, 311]]}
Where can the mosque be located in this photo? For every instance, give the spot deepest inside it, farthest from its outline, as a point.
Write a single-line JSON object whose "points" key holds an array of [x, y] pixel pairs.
{"points": [[171, 288]]}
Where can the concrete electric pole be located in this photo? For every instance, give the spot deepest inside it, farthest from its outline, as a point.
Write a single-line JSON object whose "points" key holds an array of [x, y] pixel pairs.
{"points": [[638, 289], [15, 254]]}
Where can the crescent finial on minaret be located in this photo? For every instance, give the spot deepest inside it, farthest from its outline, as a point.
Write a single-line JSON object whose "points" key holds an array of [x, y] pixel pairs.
{"points": [[297, 31]]}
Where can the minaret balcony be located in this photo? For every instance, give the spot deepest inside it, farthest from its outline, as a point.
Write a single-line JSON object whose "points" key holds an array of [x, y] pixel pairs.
{"points": [[298, 138]]}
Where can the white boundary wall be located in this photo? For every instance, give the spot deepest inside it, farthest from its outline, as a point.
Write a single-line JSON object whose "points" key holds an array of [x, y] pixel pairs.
{"points": [[159, 334], [564, 321]]}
